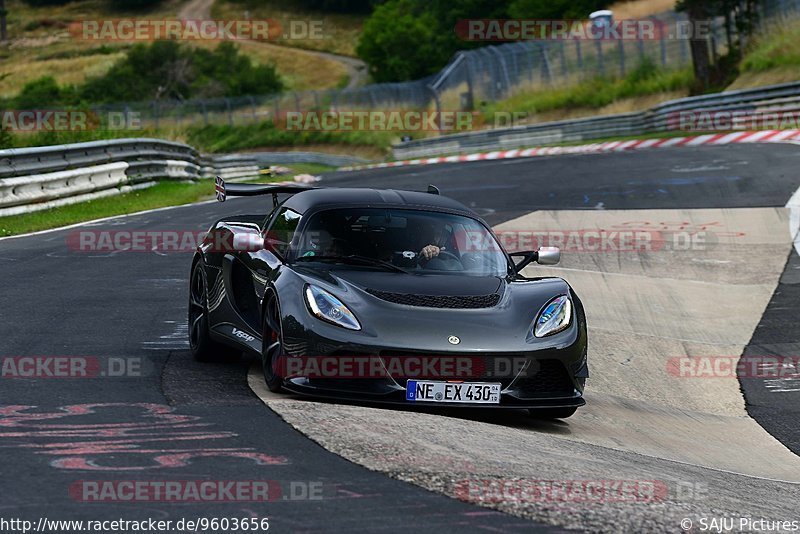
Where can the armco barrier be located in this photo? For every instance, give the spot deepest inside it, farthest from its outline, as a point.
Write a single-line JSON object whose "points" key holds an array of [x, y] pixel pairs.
{"points": [[39, 188], [332, 160], [38, 178], [663, 117]]}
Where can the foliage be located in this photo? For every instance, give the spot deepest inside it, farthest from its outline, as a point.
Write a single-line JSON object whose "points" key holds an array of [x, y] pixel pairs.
{"points": [[645, 79], [161, 70], [223, 138], [42, 93], [399, 42], [408, 39]]}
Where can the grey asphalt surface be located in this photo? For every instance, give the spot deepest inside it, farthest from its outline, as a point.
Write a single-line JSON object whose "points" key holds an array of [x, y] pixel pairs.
{"points": [[59, 302]]}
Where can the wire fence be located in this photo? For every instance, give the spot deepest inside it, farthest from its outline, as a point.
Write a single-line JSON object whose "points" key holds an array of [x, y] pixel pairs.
{"points": [[472, 78]]}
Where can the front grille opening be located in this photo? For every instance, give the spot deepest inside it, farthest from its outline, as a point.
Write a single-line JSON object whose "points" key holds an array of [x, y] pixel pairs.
{"points": [[438, 301], [545, 378]]}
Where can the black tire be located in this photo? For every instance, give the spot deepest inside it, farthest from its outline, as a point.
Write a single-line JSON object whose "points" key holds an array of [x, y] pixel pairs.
{"points": [[552, 413], [272, 346], [203, 348]]}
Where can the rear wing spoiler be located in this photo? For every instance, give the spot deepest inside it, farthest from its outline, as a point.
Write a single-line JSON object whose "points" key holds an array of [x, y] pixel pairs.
{"points": [[224, 190]]}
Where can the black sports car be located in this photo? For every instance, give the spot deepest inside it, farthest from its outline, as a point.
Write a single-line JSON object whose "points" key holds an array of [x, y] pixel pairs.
{"points": [[386, 296]]}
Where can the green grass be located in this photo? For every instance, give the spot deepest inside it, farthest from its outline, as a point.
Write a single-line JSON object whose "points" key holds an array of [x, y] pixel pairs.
{"points": [[779, 47], [20, 140], [223, 138], [214, 138], [340, 32], [158, 196], [647, 79], [163, 194]]}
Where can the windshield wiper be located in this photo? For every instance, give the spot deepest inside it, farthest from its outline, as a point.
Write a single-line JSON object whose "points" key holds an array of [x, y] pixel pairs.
{"points": [[356, 258]]}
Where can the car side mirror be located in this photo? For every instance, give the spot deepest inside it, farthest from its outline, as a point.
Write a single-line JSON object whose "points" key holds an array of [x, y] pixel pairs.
{"points": [[548, 255], [249, 242], [543, 256]]}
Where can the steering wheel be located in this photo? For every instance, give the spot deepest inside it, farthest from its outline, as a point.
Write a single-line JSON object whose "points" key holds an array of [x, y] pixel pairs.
{"points": [[445, 257]]}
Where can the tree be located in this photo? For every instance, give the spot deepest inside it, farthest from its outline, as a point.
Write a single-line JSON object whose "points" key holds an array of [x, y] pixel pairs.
{"points": [[399, 42], [3, 27], [697, 12], [554, 9], [408, 39]]}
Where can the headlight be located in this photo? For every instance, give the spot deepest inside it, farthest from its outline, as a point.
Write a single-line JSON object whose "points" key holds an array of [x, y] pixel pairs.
{"points": [[555, 317], [329, 308]]}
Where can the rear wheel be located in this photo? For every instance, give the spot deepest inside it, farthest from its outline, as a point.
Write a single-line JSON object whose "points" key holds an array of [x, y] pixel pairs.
{"points": [[203, 348], [272, 346], [552, 413]]}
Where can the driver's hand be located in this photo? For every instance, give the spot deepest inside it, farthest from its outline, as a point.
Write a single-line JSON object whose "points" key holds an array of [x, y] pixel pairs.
{"points": [[430, 251]]}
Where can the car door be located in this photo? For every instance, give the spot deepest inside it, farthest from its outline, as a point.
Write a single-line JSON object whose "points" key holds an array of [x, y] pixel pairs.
{"points": [[262, 263]]}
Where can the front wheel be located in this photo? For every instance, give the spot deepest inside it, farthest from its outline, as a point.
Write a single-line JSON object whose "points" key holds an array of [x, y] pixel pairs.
{"points": [[203, 348], [552, 413], [272, 346]]}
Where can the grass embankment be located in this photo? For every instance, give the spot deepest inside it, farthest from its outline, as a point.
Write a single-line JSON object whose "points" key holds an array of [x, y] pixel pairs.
{"points": [[643, 87], [773, 57], [339, 32], [222, 139], [41, 45], [163, 194]]}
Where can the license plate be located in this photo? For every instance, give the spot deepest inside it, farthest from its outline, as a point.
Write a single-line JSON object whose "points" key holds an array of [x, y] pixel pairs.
{"points": [[430, 391]]}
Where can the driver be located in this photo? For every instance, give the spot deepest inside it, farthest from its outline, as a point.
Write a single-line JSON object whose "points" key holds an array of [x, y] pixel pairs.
{"points": [[432, 234]]}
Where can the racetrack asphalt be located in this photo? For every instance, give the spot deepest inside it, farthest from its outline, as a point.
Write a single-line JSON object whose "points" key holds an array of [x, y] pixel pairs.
{"points": [[132, 305]]}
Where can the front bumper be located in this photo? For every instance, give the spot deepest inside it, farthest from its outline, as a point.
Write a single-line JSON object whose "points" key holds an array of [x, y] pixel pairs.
{"points": [[549, 378]]}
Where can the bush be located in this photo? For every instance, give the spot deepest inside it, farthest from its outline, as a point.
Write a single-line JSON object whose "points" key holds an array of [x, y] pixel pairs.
{"points": [[326, 6], [338, 6], [169, 70], [554, 9], [6, 141], [408, 39], [225, 72], [133, 4], [399, 42], [41, 3], [43, 92]]}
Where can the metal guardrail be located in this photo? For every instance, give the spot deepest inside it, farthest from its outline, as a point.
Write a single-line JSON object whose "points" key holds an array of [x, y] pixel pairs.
{"points": [[332, 160], [37, 160], [660, 118], [38, 178]]}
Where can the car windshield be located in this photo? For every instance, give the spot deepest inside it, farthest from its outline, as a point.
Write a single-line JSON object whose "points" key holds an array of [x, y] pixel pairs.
{"points": [[414, 240]]}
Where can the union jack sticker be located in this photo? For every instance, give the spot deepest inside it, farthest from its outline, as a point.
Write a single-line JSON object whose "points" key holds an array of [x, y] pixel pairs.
{"points": [[220, 189]]}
